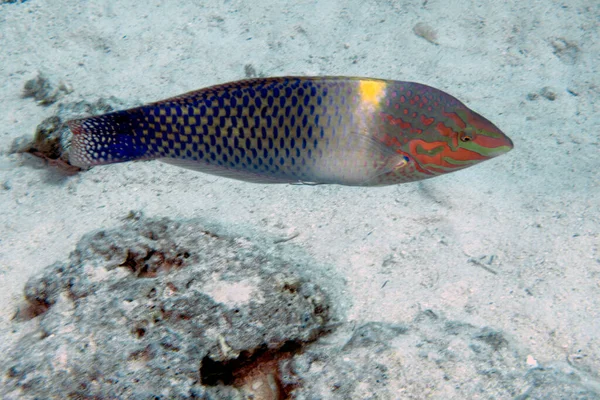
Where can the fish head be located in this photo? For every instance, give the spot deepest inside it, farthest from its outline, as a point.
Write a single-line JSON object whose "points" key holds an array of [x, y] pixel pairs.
{"points": [[460, 139]]}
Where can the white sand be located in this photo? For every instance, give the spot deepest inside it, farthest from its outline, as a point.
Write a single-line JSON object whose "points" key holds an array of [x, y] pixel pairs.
{"points": [[534, 210]]}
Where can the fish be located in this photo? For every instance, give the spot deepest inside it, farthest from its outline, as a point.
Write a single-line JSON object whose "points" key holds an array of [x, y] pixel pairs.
{"points": [[316, 130]]}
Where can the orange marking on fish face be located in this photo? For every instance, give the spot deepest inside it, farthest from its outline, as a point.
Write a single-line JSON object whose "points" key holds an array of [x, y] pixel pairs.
{"points": [[456, 119], [447, 132], [439, 154], [488, 142]]}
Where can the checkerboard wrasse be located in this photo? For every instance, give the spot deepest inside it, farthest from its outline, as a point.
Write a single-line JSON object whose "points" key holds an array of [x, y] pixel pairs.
{"points": [[335, 130]]}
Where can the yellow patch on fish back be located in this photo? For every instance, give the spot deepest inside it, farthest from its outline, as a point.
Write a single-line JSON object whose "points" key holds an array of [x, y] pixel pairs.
{"points": [[371, 91]]}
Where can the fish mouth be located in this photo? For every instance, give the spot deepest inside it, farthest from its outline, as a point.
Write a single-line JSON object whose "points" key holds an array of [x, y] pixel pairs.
{"points": [[492, 144], [491, 140], [505, 145], [509, 143]]}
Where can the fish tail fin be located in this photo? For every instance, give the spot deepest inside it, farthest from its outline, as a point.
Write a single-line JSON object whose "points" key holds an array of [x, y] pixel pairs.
{"points": [[107, 139]]}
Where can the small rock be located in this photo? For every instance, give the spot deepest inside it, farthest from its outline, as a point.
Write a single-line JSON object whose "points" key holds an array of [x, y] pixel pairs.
{"points": [[548, 93], [566, 50], [44, 91], [426, 32]]}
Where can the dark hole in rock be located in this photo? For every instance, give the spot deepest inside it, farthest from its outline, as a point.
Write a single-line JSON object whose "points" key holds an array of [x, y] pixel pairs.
{"points": [[320, 309], [290, 288], [152, 263], [214, 372], [261, 366], [31, 310], [140, 332]]}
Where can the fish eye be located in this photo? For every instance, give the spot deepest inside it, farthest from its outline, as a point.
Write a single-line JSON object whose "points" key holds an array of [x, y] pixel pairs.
{"points": [[466, 137]]}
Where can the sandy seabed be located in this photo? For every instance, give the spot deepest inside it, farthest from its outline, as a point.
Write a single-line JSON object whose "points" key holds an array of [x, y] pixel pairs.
{"points": [[511, 244]]}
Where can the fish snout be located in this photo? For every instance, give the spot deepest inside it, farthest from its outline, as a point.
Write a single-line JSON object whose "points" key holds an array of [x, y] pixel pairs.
{"points": [[499, 145]]}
